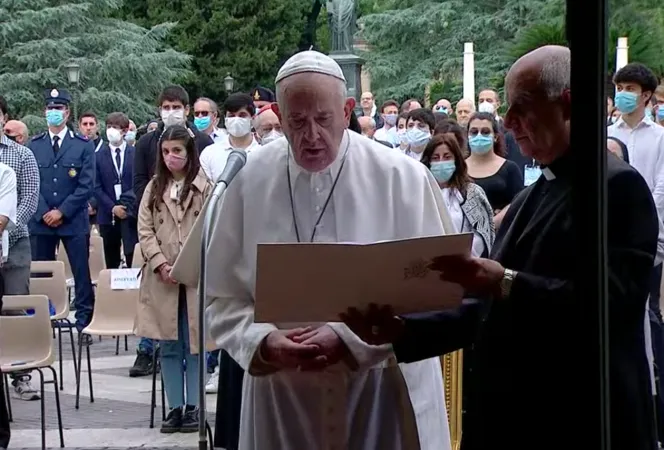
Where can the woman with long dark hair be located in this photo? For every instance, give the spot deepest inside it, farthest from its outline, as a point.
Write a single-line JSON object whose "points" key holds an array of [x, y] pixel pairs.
{"points": [[466, 202], [167, 310]]}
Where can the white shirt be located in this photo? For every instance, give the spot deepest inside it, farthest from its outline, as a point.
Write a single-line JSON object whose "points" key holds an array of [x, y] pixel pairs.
{"points": [[8, 204], [219, 134], [381, 134], [122, 148], [453, 199], [61, 135], [214, 157], [645, 146]]}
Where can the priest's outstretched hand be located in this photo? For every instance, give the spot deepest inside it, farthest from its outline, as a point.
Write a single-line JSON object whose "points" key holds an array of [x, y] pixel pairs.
{"points": [[378, 325], [478, 276]]}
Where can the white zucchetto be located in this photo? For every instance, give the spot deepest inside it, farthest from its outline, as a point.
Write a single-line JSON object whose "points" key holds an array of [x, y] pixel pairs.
{"points": [[310, 61]]}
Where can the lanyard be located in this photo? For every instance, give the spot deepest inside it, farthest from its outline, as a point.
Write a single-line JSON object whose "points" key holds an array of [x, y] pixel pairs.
{"points": [[327, 201], [101, 142]]}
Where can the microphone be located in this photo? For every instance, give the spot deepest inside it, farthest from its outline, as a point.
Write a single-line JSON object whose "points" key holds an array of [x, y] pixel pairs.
{"points": [[236, 161]]}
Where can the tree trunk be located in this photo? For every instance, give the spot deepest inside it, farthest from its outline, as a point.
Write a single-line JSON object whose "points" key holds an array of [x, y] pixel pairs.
{"points": [[308, 39]]}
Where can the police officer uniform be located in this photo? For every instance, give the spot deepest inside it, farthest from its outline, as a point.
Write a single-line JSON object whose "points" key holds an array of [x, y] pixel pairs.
{"points": [[66, 163]]}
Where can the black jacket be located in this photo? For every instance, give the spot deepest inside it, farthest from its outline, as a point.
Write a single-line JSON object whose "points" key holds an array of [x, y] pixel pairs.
{"points": [[145, 158], [524, 384]]}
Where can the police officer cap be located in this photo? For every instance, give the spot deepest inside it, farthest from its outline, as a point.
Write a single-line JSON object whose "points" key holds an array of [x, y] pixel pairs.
{"points": [[261, 94], [57, 96], [310, 61]]}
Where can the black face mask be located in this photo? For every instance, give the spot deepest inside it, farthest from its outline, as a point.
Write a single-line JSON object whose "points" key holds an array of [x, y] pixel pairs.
{"points": [[13, 138]]}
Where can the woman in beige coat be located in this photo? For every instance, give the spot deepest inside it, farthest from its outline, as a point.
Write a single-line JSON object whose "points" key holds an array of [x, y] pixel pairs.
{"points": [[167, 311]]}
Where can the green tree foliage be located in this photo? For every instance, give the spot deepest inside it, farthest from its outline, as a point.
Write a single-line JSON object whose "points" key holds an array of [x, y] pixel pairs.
{"points": [[123, 66], [247, 39], [419, 43]]}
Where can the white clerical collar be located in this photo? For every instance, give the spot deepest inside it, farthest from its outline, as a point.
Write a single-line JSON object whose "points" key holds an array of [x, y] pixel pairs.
{"points": [[333, 169], [548, 174]]}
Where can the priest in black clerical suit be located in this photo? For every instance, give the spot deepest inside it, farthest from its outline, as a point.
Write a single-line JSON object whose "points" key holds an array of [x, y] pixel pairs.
{"points": [[520, 393]]}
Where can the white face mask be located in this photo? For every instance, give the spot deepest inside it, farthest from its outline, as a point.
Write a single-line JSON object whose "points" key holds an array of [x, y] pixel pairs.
{"points": [[271, 136], [114, 136], [486, 107], [238, 126], [172, 117]]}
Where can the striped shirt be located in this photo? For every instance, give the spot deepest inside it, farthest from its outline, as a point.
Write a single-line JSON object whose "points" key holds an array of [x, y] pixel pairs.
{"points": [[22, 160]]}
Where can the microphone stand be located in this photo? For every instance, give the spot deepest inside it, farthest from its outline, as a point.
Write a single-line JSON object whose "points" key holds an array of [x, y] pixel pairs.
{"points": [[210, 216]]}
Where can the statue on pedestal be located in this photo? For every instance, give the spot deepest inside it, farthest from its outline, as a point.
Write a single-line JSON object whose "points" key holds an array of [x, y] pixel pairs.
{"points": [[342, 18]]}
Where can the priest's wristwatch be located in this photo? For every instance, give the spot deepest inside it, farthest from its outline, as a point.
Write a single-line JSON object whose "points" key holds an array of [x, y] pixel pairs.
{"points": [[506, 283]]}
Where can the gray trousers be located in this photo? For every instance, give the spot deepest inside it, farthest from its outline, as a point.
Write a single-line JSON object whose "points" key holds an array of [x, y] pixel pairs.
{"points": [[16, 273]]}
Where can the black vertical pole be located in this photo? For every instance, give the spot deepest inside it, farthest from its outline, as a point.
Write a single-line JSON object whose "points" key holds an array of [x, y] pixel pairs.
{"points": [[587, 36]]}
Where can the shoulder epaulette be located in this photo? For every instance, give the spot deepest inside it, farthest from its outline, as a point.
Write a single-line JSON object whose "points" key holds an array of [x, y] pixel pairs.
{"points": [[39, 136]]}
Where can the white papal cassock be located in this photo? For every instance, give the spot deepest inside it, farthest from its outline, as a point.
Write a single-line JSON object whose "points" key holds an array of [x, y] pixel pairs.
{"points": [[381, 195]]}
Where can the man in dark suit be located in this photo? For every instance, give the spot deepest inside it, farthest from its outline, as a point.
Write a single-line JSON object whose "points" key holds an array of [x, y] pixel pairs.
{"points": [[66, 163], [521, 391], [115, 163]]}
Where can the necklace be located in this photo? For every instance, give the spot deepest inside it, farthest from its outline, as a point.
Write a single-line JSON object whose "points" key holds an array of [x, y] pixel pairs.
{"points": [[327, 201]]}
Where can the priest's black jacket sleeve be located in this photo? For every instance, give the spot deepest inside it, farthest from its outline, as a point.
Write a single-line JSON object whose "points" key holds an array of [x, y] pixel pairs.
{"points": [[632, 241]]}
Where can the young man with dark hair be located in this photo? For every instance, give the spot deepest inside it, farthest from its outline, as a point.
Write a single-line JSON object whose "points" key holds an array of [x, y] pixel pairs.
{"points": [[88, 126], [174, 108], [239, 112], [635, 85], [114, 193]]}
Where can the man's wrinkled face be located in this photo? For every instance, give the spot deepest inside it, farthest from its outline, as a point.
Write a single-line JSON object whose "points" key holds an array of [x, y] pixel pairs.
{"points": [[537, 123], [464, 110], [88, 127], [367, 125], [314, 116], [267, 122]]}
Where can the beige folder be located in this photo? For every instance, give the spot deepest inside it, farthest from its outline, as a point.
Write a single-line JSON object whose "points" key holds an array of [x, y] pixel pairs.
{"points": [[315, 282]]}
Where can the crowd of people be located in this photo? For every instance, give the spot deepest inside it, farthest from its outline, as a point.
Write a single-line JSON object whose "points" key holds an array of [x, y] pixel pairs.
{"points": [[321, 169]]}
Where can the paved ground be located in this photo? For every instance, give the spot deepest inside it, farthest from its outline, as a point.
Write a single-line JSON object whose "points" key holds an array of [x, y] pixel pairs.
{"points": [[118, 419]]}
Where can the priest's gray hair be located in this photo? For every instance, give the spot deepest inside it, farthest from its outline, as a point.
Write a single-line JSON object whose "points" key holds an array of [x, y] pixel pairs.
{"points": [[555, 74], [343, 92]]}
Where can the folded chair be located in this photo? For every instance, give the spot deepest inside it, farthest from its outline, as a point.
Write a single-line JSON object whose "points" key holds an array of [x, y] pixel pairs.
{"points": [[54, 286], [113, 315], [26, 344]]}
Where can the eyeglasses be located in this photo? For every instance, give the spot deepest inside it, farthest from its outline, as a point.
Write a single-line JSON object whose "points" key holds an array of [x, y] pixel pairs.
{"points": [[483, 132]]}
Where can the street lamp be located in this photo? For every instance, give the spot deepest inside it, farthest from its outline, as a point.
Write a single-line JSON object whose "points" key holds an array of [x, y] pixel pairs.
{"points": [[73, 76], [229, 82], [73, 72]]}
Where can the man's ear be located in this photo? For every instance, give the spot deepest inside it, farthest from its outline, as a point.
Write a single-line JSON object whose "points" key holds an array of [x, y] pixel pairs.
{"points": [[566, 97], [275, 108], [186, 111], [348, 108]]}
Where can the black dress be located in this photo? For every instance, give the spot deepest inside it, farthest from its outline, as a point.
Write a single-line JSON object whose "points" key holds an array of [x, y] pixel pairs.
{"points": [[229, 402], [502, 186]]}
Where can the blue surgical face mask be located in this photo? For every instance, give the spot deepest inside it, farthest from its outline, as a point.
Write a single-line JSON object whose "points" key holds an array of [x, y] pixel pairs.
{"points": [[55, 117], [443, 170], [130, 136], [442, 109], [417, 137], [391, 119], [202, 123], [660, 113], [480, 143], [626, 102], [649, 114]]}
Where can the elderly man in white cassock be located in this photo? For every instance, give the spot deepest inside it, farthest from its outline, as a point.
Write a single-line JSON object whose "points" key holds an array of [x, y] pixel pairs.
{"points": [[317, 385]]}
